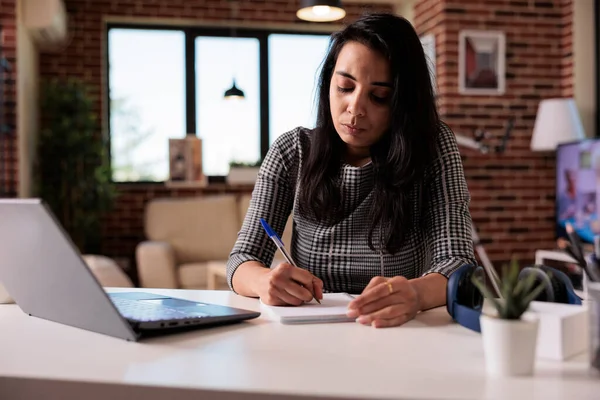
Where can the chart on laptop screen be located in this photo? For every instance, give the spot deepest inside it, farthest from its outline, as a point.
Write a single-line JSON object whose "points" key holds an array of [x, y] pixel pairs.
{"points": [[578, 187]]}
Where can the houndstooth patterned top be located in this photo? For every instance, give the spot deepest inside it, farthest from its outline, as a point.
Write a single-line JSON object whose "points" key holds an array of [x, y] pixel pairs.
{"points": [[339, 254]]}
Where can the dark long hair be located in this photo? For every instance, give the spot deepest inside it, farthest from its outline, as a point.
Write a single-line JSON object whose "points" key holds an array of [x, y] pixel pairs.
{"points": [[400, 156]]}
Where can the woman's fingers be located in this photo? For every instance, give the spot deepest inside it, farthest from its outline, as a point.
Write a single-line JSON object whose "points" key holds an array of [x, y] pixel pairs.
{"points": [[307, 280], [387, 302], [393, 315], [388, 312], [386, 323], [398, 287], [277, 296], [292, 286], [375, 281], [299, 292], [300, 275], [318, 288], [376, 305]]}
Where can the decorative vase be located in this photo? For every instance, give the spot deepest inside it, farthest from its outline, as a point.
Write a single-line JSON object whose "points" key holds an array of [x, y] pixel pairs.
{"points": [[509, 345]]}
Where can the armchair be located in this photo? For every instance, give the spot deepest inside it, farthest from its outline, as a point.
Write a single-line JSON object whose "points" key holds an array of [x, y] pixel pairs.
{"points": [[187, 235]]}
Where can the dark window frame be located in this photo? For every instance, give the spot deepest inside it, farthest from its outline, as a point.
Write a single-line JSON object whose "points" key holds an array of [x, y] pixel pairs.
{"points": [[191, 33]]}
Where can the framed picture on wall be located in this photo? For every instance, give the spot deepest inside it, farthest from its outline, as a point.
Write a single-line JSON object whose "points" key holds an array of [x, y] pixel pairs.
{"points": [[428, 42], [481, 62]]}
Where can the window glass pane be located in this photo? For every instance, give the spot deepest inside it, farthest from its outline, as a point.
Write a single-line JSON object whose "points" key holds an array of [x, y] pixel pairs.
{"points": [[147, 100], [294, 68], [230, 129]]}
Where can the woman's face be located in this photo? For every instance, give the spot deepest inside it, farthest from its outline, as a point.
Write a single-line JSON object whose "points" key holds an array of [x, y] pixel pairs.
{"points": [[359, 97]]}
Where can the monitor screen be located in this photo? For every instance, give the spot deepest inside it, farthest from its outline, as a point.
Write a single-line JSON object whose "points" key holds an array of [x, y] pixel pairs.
{"points": [[578, 188]]}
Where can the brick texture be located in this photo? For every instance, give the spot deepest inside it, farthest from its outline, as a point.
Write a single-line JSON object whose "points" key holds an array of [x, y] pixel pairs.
{"points": [[567, 48], [8, 142], [512, 193]]}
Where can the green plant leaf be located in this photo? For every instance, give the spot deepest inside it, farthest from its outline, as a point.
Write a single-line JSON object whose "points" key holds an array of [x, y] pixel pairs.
{"points": [[517, 293], [512, 309], [488, 294], [524, 286], [505, 283], [533, 294], [240, 164]]}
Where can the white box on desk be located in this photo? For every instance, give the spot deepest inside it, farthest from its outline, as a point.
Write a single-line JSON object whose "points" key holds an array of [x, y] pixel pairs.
{"points": [[563, 330]]}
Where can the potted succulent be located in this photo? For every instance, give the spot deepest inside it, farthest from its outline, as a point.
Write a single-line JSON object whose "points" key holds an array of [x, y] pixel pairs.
{"points": [[509, 333], [243, 173]]}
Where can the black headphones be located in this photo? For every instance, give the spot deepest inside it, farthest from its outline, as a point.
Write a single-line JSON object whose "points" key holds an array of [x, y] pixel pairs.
{"points": [[464, 301]]}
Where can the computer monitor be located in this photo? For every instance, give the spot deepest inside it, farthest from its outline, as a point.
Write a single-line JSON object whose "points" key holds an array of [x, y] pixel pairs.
{"points": [[578, 188]]}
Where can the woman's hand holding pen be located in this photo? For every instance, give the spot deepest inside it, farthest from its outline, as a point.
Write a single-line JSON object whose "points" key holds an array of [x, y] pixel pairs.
{"points": [[289, 285], [385, 302]]}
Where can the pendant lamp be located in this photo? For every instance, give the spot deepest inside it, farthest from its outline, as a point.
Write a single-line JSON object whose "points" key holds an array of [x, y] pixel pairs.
{"points": [[234, 93], [321, 10]]}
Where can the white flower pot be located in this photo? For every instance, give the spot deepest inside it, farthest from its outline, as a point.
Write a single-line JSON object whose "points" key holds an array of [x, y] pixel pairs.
{"points": [[509, 345], [4, 296], [242, 175]]}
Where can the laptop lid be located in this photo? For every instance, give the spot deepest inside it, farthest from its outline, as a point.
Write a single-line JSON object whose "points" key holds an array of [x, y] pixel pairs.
{"points": [[44, 273]]}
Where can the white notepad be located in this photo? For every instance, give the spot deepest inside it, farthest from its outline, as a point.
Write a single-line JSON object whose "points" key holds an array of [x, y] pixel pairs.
{"points": [[333, 308]]}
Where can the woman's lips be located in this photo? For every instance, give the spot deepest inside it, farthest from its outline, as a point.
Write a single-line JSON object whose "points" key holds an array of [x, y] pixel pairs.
{"points": [[352, 129]]}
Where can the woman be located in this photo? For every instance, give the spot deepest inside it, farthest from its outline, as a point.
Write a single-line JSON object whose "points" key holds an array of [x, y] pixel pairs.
{"points": [[379, 200]]}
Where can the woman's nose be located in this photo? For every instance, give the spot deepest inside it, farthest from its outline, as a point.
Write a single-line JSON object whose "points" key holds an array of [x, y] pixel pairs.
{"points": [[356, 106]]}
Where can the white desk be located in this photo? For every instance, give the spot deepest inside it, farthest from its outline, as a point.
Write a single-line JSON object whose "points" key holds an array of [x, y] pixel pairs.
{"points": [[428, 358]]}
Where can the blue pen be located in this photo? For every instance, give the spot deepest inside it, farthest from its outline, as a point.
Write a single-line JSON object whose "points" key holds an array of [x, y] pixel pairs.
{"points": [[279, 244]]}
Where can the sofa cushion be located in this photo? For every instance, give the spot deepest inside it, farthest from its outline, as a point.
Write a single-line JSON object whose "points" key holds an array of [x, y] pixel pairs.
{"points": [[192, 275], [107, 271], [199, 228]]}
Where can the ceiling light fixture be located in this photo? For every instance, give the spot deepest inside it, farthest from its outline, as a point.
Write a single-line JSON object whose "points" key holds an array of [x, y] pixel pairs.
{"points": [[321, 10], [234, 93]]}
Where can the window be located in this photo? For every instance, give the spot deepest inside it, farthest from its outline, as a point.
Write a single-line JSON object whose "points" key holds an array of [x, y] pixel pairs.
{"points": [[167, 82], [147, 101], [229, 129], [294, 69]]}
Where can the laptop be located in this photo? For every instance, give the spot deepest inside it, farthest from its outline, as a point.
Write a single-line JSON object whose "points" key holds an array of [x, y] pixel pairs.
{"points": [[44, 273]]}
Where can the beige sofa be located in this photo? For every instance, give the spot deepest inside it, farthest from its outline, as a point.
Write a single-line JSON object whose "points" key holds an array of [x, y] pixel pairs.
{"points": [[187, 235]]}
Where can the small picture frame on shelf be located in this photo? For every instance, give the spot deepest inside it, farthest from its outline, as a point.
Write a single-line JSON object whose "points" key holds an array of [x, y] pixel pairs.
{"points": [[185, 162], [481, 62]]}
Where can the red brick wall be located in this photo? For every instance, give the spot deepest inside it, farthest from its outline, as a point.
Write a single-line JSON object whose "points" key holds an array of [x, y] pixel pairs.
{"points": [[123, 229], [8, 142], [512, 193], [567, 48]]}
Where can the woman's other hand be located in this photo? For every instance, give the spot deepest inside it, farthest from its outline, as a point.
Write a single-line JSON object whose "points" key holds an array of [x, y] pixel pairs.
{"points": [[385, 302], [288, 285]]}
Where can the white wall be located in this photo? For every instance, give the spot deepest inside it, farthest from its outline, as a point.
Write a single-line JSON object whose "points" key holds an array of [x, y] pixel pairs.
{"points": [[584, 65], [27, 103]]}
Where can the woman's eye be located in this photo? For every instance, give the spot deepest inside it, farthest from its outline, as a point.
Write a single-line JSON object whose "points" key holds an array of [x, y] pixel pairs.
{"points": [[378, 99], [344, 90]]}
